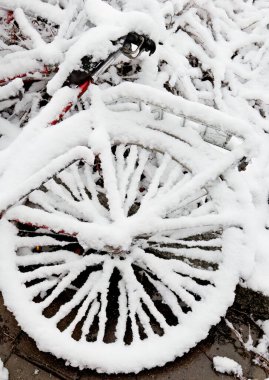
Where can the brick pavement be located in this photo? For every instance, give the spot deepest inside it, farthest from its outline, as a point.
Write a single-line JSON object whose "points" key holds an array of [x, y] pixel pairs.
{"points": [[25, 362]]}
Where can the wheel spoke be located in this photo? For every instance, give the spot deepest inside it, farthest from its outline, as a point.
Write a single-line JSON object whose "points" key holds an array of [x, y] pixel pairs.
{"points": [[203, 223], [94, 308], [62, 285], [123, 312], [136, 295], [110, 181], [92, 189], [155, 182], [125, 176], [133, 190], [107, 273], [76, 300], [42, 219], [42, 287], [83, 308], [168, 297], [180, 192]]}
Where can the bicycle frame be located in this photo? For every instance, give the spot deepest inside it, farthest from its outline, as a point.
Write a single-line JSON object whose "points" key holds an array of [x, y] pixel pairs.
{"points": [[85, 85], [141, 43]]}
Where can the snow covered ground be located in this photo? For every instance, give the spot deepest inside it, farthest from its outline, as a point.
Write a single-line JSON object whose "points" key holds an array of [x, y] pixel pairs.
{"points": [[153, 189], [3, 371]]}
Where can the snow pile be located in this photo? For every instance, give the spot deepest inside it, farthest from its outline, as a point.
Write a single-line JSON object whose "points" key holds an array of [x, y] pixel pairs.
{"points": [[223, 364], [263, 345], [3, 371]]}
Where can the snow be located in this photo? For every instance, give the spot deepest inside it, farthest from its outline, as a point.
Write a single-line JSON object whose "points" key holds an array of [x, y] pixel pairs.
{"points": [[223, 364], [11, 89], [142, 173], [3, 371], [46, 10]]}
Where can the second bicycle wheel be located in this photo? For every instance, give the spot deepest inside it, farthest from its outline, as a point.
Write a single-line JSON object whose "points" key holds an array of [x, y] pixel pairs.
{"points": [[124, 264]]}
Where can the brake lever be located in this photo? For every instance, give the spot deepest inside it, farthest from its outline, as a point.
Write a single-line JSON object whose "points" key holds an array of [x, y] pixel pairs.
{"points": [[127, 47], [142, 42], [83, 79]]}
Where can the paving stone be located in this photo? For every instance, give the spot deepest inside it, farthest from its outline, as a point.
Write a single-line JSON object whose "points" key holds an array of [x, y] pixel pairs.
{"points": [[27, 349], [9, 330], [20, 369], [251, 303], [228, 348], [257, 373], [92, 375], [193, 366], [222, 340]]}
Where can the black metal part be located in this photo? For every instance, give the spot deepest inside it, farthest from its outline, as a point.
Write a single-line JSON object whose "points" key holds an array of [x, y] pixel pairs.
{"points": [[77, 77], [142, 43], [243, 163], [134, 44]]}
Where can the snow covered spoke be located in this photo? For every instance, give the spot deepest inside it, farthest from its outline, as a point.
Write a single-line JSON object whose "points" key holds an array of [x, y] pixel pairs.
{"points": [[110, 184], [74, 193], [134, 187]]}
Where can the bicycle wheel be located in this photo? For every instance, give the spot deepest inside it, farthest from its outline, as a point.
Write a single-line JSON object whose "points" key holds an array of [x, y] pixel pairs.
{"points": [[124, 264]]}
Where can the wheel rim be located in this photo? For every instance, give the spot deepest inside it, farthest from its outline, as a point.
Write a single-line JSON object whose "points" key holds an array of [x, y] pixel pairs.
{"points": [[125, 288]]}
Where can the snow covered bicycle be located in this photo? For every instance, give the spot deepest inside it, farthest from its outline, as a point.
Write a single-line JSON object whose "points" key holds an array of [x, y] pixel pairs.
{"points": [[118, 252]]}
